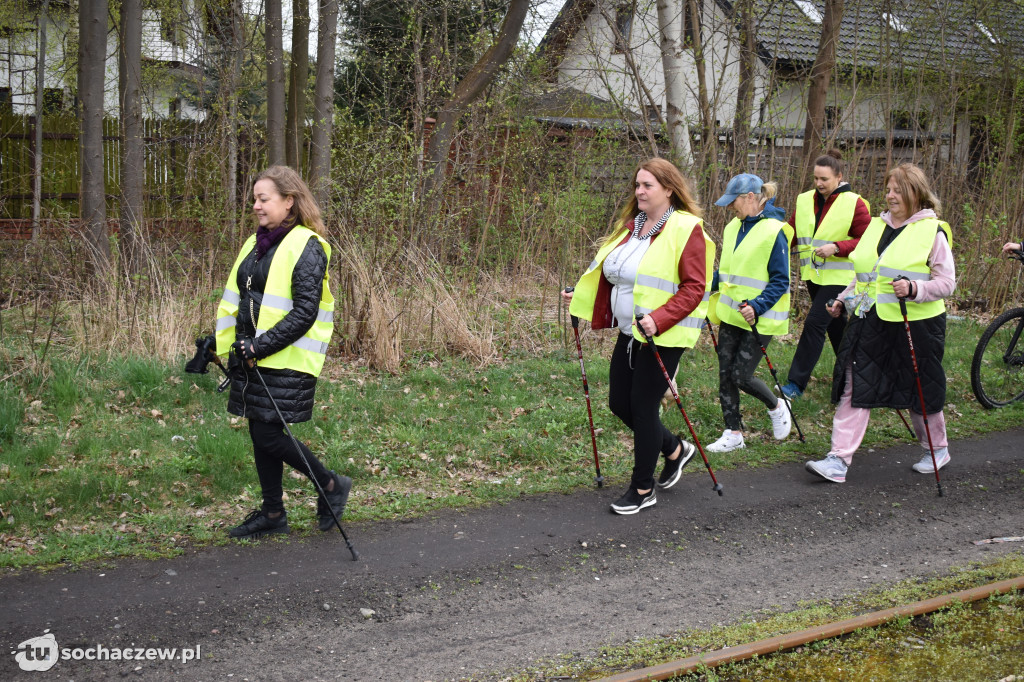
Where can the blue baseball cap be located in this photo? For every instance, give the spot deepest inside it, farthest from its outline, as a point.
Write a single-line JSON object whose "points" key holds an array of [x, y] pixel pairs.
{"points": [[741, 184]]}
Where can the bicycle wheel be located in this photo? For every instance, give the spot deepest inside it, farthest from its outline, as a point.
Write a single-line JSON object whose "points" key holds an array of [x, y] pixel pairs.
{"points": [[997, 371]]}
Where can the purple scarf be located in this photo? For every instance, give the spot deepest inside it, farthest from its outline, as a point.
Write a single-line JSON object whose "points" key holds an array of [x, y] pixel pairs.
{"points": [[266, 238]]}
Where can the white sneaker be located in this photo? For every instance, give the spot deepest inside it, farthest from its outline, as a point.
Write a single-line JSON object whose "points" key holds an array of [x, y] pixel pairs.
{"points": [[730, 440], [782, 424], [831, 468], [925, 465]]}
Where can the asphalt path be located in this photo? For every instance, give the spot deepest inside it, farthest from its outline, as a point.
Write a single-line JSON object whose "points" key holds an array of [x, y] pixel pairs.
{"points": [[478, 593]]}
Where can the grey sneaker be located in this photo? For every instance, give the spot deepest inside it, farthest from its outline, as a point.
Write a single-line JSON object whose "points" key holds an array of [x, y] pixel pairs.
{"points": [[925, 465], [257, 524], [337, 499], [831, 468]]}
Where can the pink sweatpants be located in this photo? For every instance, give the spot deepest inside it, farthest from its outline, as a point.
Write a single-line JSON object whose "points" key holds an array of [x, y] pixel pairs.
{"points": [[851, 423]]}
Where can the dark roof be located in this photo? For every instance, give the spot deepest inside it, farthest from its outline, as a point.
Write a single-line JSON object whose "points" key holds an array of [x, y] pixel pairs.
{"points": [[933, 33], [937, 32]]}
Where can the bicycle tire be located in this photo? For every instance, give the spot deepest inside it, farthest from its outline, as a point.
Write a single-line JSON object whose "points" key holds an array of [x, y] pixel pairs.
{"points": [[997, 370]]}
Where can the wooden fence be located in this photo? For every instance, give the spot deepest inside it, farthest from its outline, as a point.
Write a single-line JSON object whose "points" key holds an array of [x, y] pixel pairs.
{"points": [[182, 166]]}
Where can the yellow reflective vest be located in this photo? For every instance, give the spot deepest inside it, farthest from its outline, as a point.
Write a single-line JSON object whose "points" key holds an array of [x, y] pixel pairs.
{"points": [[306, 354], [834, 227], [907, 255], [743, 275], [657, 279]]}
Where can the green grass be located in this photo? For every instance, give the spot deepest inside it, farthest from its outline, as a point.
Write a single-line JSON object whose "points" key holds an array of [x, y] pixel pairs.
{"points": [[107, 447], [978, 641]]}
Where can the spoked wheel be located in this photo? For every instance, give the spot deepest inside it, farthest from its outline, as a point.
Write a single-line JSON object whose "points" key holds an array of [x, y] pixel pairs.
{"points": [[997, 371]]}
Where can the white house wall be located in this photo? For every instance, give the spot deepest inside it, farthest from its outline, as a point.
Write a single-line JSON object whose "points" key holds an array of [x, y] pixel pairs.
{"points": [[590, 66], [18, 65]]}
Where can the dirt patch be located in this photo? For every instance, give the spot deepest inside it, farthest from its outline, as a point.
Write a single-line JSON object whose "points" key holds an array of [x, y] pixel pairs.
{"points": [[465, 594]]}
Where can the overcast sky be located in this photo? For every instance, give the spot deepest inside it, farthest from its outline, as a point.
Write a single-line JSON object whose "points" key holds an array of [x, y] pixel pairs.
{"points": [[542, 13]]}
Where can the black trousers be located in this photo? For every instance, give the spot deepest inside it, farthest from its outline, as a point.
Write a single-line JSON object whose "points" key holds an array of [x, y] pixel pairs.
{"points": [[812, 338], [272, 449], [635, 387]]}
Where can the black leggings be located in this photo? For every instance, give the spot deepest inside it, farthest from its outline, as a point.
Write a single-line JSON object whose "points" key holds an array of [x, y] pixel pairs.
{"points": [[271, 448], [635, 387], [812, 338]]}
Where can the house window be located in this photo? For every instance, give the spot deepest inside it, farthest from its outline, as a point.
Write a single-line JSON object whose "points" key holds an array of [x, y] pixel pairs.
{"points": [[832, 115], [623, 26], [901, 119], [53, 100], [5, 101], [895, 23], [169, 30], [810, 10]]}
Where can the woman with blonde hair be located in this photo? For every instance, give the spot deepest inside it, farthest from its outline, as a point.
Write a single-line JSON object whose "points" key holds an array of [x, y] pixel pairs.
{"points": [[753, 285], [904, 254], [277, 316], [656, 263]]}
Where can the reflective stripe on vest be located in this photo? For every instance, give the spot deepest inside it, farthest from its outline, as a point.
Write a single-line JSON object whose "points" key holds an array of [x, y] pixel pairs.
{"points": [[750, 256], [834, 227], [657, 279], [906, 255], [307, 354]]}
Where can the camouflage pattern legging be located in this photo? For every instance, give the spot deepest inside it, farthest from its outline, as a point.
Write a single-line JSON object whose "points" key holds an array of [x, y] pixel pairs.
{"points": [[738, 357]]}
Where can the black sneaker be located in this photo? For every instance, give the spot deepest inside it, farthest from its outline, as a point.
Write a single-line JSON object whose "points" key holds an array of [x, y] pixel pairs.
{"points": [[632, 501], [337, 498], [257, 524], [674, 467]]}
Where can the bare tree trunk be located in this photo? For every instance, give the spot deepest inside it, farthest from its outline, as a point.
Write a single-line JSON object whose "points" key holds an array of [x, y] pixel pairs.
{"points": [[275, 85], [708, 133], [670, 25], [469, 88], [298, 75], [821, 75], [37, 156], [232, 38], [132, 161], [92, 52], [745, 89], [323, 103]]}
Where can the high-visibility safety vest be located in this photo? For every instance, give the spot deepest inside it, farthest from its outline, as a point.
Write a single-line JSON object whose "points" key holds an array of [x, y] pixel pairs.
{"points": [[834, 227], [906, 255], [657, 279], [307, 354], [743, 275]]}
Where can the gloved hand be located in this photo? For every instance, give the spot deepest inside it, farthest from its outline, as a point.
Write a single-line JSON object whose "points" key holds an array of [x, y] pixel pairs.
{"points": [[245, 347]]}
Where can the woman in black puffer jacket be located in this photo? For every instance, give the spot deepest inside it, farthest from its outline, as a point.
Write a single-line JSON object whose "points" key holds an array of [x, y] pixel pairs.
{"points": [[276, 316]]}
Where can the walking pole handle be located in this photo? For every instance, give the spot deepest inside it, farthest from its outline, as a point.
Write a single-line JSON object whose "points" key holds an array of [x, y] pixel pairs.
{"points": [[575, 320], [903, 299]]}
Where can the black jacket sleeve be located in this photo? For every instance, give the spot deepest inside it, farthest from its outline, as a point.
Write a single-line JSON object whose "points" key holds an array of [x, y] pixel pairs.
{"points": [[307, 288]]}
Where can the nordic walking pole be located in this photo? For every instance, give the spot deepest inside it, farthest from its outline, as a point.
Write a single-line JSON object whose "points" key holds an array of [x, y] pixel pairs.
{"points": [[675, 394], [586, 392], [775, 376], [714, 341], [912, 434], [828, 304], [348, 543], [917, 379]]}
